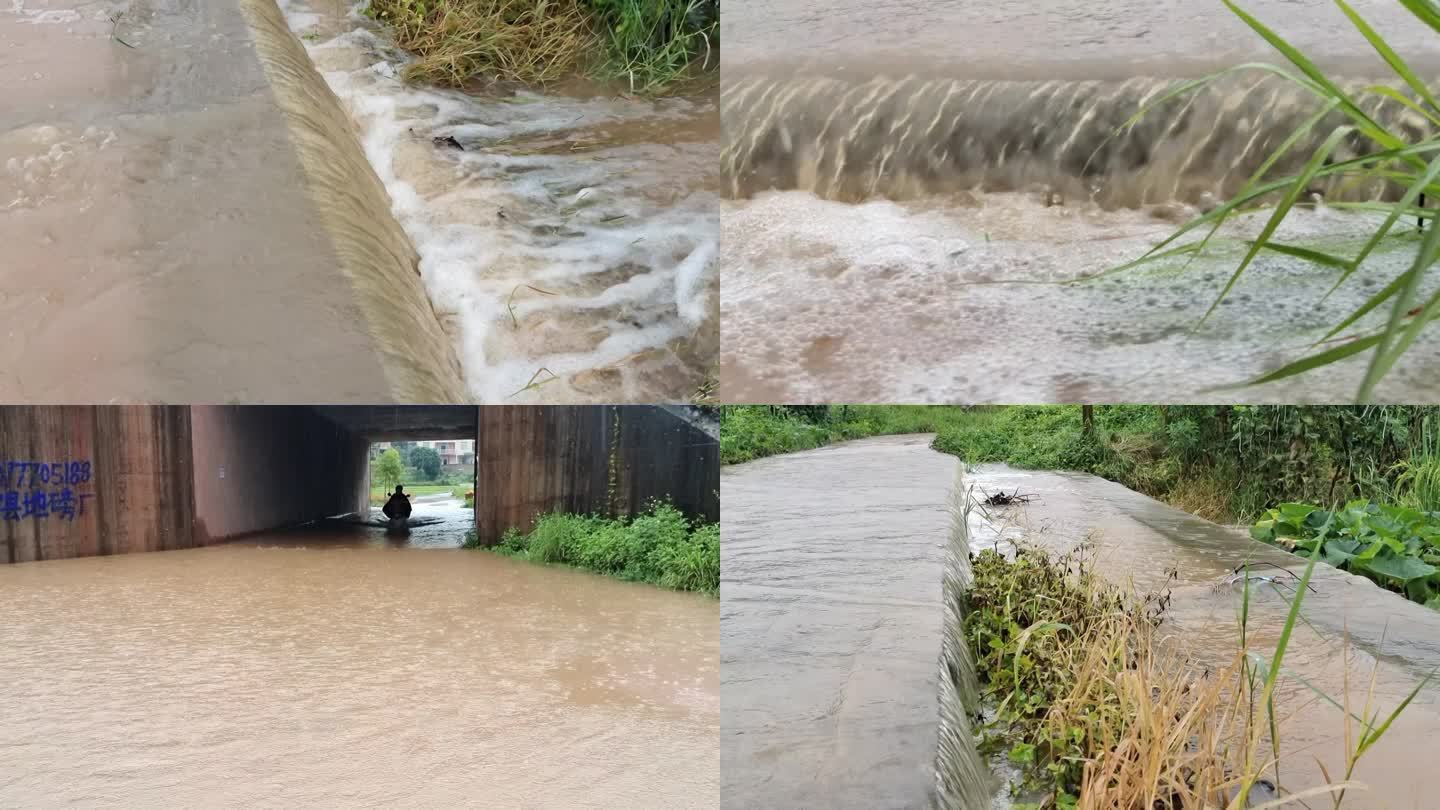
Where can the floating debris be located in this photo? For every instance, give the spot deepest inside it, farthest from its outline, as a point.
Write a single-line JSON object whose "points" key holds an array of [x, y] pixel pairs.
{"points": [[1001, 499]]}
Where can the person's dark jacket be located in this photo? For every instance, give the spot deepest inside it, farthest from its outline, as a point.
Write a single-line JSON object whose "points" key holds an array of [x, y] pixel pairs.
{"points": [[398, 506]]}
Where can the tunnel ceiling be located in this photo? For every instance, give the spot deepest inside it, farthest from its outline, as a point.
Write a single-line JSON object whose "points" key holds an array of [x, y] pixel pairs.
{"points": [[380, 423]]}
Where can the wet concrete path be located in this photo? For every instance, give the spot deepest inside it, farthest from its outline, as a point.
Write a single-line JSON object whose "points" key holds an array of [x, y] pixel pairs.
{"points": [[831, 563]]}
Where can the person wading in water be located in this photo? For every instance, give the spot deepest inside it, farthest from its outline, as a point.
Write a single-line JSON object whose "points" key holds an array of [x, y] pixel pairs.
{"points": [[398, 507]]}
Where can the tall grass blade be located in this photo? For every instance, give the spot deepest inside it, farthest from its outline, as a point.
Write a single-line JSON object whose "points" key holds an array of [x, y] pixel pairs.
{"points": [[1388, 54], [1386, 355], [1302, 181], [1411, 195], [1425, 10]]}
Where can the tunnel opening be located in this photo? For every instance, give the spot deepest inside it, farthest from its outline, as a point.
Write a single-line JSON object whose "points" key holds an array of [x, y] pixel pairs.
{"points": [[175, 477]]}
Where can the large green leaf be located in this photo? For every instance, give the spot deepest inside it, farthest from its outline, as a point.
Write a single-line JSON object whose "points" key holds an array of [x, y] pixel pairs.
{"points": [[1404, 569]]}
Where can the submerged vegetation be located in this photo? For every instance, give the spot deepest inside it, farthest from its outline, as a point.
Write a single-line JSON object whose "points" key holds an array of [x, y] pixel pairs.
{"points": [[1359, 154], [649, 44], [1096, 710], [660, 547]]}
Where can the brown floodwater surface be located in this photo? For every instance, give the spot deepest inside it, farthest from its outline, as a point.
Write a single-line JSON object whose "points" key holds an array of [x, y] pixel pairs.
{"points": [[831, 563], [336, 666]]}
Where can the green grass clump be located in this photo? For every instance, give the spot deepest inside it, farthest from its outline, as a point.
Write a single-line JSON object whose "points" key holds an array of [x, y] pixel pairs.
{"points": [[660, 547], [648, 43], [1221, 462]]}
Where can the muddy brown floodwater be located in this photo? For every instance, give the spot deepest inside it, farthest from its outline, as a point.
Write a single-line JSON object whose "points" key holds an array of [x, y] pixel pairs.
{"points": [[1138, 539], [339, 667], [831, 563]]}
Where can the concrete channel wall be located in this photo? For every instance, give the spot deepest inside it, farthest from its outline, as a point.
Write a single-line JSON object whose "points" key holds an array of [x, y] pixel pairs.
{"points": [[610, 460], [189, 217], [80, 481], [265, 468]]}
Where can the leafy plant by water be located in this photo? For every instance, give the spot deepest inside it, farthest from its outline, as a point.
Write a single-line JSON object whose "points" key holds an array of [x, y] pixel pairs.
{"points": [[660, 547], [1410, 168], [1396, 547]]}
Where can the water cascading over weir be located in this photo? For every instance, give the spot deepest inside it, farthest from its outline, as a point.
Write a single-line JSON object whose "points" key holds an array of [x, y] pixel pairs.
{"points": [[962, 780], [848, 139]]}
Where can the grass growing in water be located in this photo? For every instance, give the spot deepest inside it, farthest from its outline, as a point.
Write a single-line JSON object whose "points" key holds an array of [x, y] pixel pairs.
{"points": [[660, 547], [648, 43], [1411, 168], [1099, 712]]}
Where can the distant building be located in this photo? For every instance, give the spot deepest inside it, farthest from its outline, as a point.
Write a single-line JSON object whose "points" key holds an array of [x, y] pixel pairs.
{"points": [[453, 452]]}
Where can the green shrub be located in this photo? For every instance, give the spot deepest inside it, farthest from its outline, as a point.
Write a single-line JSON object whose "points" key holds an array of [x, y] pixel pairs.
{"points": [[1395, 547], [659, 546]]}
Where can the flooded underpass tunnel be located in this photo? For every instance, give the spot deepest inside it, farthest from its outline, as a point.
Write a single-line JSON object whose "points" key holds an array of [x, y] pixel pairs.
{"points": [[275, 650]]}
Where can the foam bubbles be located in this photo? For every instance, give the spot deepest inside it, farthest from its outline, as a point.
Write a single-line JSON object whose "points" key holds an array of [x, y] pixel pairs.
{"points": [[564, 241], [936, 302]]}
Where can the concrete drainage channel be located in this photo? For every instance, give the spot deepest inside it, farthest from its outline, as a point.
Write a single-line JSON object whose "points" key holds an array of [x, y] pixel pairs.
{"points": [[208, 225], [1352, 630]]}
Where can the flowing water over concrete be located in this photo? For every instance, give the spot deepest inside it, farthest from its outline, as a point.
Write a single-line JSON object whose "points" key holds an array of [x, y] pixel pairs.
{"points": [[335, 667], [571, 233], [831, 570], [1139, 540], [188, 218], [901, 138], [885, 195]]}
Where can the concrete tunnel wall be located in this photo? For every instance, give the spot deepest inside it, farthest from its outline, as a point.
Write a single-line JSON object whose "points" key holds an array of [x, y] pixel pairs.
{"points": [[260, 468], [116, 480], [159, 478], [609, 460]]}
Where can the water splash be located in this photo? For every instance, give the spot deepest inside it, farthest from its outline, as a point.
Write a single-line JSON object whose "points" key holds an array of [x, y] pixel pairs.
{"points": [[567, 241], [909, 137]]}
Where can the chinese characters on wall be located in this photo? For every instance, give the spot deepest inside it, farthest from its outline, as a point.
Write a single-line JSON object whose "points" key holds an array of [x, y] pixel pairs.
{"points": [[39, 490]]}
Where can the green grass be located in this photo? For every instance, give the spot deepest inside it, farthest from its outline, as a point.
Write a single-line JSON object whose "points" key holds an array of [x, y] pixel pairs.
{"points": [[649, 44], [379, 495], [748, 432], [660, 547], [1223, 463], [1408, 165]]}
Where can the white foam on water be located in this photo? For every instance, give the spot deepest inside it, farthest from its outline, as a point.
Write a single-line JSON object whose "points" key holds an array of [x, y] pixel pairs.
{"points": [[35, 16], [936, 301], [558, 247]]}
